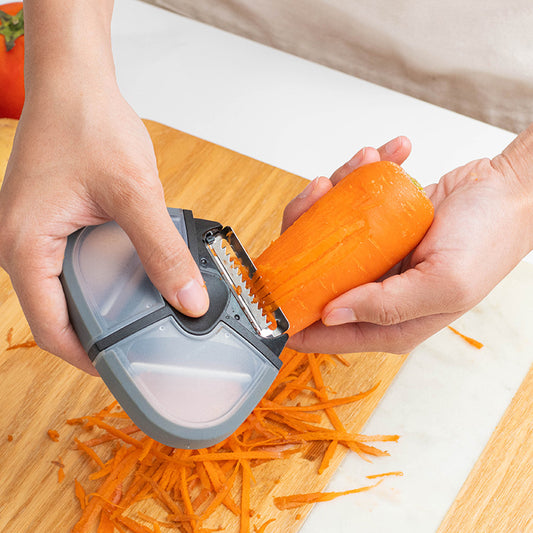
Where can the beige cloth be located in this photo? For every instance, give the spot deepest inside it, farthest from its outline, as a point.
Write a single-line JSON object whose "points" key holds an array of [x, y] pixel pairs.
{"points": [[474, 57]]}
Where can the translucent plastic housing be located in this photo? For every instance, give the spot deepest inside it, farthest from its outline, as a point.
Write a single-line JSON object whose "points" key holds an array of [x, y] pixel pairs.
{"points": [[111, 277], [194, 382]]}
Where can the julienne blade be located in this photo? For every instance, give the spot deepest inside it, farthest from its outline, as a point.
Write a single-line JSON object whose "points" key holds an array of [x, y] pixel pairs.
{"points": [[237, 276]]}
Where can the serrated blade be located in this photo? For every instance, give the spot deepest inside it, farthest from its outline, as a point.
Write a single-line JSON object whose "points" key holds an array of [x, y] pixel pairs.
{"points": [[238, 269]]}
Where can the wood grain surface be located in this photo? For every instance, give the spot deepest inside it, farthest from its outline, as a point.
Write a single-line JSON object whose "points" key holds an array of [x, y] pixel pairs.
{"points": [[497, 496], [39, 392]]}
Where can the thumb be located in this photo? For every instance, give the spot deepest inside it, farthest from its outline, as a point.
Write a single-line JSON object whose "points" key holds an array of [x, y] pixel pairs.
{"points": [[395, 300], [518, 155], [165, 256]]}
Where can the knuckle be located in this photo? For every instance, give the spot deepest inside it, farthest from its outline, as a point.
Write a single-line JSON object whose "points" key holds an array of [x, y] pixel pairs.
{"points": [[164, 261], [389, 314]]}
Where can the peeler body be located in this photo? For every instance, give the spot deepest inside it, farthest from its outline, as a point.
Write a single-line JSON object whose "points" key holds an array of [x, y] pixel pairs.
{"points": [[186, 382]]}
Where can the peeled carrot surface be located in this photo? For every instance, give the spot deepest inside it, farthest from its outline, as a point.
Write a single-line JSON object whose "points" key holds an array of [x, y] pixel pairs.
{"points": [[353, 235]]}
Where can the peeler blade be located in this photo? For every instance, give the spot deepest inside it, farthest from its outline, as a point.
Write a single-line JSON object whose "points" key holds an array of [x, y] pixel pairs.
{"points": [[238, 269]]}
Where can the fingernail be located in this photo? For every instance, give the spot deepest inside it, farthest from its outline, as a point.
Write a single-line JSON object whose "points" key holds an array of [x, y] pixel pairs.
{"points": [[358, 158], [308, 190], [341, 315], [392, 146], [193, 299]]}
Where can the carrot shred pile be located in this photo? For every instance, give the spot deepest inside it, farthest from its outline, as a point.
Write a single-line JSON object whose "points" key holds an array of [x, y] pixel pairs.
{"points": [[190, 486], [470, 340]]}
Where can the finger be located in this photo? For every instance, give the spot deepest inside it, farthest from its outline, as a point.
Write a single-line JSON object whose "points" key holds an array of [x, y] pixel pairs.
{"points": [[517, 158], [365, 156], [163, 253], [396, 150], [43, 302], [301, 203], [412, 294], [363, 337]]}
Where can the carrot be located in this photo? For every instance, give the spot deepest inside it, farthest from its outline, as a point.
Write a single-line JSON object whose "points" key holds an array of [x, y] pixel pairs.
{"points": [[245, 497], [80, 494], [297, 500], [470, 340], [53, 434], [375, 476], [26, 344], [353, 235], [264, 525]]}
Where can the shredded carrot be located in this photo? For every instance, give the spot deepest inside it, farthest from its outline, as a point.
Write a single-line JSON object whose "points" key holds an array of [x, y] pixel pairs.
{"points": [[9, 336], [245, 496], [53, 434], [263, 526], [9, 339], [10, 438], [470, 340], [297, 500], [90, 452], [80, 494], [375, 476], [106, 525], [192, 485]]}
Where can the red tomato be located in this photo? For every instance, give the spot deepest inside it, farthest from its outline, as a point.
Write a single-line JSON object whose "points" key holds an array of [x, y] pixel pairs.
{"points": [[12, 61]]}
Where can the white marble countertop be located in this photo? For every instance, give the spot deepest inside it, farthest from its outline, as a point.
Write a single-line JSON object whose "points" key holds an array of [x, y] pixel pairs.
{"points": [[308, 119]]}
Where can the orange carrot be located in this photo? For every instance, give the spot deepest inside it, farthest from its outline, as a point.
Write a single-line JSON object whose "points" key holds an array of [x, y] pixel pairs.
{"points": [[470, 340], [53, 434], [263, 526], [297, 500], [80, 494], [9, 336], [90, 452], [27, 344], [375, 476], [353, 235], [245, 497], [106, 525]]}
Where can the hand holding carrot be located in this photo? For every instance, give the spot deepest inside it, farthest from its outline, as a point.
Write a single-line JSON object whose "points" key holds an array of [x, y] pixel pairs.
{"points": [[482, 229]]}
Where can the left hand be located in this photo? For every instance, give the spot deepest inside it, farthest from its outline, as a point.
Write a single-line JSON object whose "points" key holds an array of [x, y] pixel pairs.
{"points": [[481, 230]]}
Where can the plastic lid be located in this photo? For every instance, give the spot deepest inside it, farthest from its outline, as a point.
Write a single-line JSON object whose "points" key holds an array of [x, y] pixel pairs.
{"points": [[111, 277], [197, 389]]}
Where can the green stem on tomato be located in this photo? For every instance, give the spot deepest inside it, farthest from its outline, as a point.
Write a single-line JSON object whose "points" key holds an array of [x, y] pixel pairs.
{"points": [[11, 27]]}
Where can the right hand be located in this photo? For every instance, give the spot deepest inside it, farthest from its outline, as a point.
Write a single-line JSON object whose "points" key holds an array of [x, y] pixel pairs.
{"points": [[78, 161]]}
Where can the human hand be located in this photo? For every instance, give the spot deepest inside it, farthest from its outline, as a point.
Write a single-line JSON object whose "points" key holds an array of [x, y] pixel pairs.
{"points": [[481, 230], [76, 161]]}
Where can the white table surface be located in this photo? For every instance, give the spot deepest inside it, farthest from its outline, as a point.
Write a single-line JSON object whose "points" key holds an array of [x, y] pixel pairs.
{"points": [[308, 119]]}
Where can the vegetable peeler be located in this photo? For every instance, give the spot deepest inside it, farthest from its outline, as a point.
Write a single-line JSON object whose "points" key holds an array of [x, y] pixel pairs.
{"points": [[186, 382]]}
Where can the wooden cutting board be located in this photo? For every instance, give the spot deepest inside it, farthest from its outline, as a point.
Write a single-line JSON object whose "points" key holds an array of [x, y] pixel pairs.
{"points": [[39, 392]]}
